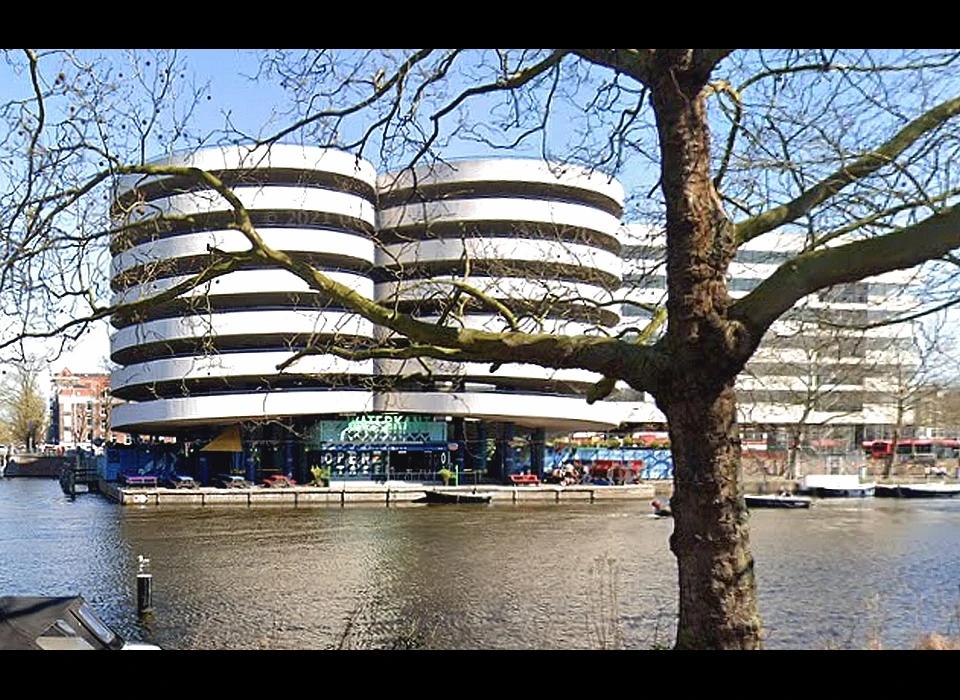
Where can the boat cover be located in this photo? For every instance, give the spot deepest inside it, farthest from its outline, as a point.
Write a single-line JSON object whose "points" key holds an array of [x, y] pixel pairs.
{"points": [[52, 622]]}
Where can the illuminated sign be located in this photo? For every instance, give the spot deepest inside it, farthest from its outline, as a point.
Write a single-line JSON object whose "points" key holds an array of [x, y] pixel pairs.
{"points": [[378, 429]]}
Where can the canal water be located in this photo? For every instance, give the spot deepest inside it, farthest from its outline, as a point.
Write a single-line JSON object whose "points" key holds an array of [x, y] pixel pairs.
{"points": [[844, 574]]}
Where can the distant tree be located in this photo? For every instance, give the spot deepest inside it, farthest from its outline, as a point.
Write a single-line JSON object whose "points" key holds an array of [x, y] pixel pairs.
{"points": [[23, 407], [850, 150]]}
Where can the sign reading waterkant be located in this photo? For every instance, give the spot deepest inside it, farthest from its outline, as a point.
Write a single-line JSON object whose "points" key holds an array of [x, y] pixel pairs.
{"points": [[378, 429]]}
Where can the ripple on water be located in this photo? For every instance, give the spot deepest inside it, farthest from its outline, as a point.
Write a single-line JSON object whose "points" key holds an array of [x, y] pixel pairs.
{"points": [[576, 576]]}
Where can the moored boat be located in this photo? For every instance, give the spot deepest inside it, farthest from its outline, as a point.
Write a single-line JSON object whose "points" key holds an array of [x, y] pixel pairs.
{"points": [[57, 623], [935, 490], [777, 501], [836, 486], [453, 497]]}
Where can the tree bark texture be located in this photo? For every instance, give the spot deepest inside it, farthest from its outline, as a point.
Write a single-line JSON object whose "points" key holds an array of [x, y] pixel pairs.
{"points": [[710, 539]]}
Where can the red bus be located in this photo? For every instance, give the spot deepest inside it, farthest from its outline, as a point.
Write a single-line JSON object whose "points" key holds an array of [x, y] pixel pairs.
{"points": [[914, 450]]}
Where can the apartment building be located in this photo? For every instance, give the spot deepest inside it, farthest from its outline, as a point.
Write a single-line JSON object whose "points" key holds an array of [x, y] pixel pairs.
{"points": [[826, 374]]}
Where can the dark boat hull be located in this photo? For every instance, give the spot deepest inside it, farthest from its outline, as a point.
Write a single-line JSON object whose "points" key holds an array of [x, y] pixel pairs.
{"points": [[824, 492], [777, 502], [453, 497], [916, 491]]}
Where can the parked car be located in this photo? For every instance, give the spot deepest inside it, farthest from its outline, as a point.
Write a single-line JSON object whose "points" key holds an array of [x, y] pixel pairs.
{"points": [[232, 481], [278, 481], [178, 481]]}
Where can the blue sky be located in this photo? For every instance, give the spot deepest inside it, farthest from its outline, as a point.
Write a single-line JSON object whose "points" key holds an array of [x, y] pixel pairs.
{"points": [[250, 105]]}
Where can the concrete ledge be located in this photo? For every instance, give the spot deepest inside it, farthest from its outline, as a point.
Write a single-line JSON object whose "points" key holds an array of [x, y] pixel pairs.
{"points": [[540, 494], [232, 497], [317, 497], [179, 497], [366, 495], [609, 493], [575, 494], [263, 497], [341, 496], [140, 497], [405, 495]]}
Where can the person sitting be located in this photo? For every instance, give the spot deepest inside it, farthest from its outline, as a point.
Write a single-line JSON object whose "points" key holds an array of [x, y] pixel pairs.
{"points": [[659, 508]]}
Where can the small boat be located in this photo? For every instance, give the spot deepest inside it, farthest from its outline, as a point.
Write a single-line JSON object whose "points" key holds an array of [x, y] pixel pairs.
{"points": [[661, 509], [836, 486], [60, 623], [936, 490], [437, 497], [777, 501]]}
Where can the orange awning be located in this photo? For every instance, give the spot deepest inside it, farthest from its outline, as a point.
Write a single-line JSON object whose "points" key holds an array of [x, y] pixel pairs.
{"points": [[227, 441]]}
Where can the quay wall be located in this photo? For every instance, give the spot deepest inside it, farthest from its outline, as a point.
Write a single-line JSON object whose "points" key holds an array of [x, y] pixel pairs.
{"points": [[336, 496]]}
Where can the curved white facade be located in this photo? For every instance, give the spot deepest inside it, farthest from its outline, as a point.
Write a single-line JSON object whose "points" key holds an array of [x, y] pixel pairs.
{"points": [[525, 235], [211, 355], [538, 239]]}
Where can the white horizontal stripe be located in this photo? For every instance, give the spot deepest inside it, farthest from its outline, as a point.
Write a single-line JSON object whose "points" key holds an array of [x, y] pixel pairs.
{"points": [[560, 413], [508, 249], [247, 323], [301, 240], [558, 214], [250, 282], [285, 156], [227, 408], [306, 199], [480, 372], [505, 169], [253, 364], [502, 288]]}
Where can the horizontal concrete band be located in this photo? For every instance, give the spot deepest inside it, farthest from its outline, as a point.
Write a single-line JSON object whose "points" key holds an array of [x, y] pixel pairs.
{"points": [[277, 156], [248, 283], [260, 197], [290, 239], [517, 288], [524, 409], [509, 249], [555, 215], [234, 364], [264, 365], [504, 169], [227, 324], [481, 372]]}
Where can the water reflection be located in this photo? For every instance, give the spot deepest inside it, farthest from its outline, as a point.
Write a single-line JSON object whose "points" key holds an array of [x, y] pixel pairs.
{"points": [[467, 577]]}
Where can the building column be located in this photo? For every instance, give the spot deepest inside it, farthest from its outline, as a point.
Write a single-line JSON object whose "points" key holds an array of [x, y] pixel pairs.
{"points": [[505, 457], [246, 461], [480, 462], [457, 458], [538, 451]]}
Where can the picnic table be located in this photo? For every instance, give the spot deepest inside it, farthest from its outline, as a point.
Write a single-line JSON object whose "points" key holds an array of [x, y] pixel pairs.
{"points": [[140, 480]]}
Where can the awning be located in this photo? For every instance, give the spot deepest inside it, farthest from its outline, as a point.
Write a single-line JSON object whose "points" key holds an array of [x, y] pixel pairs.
{"points": [[227, 441]]}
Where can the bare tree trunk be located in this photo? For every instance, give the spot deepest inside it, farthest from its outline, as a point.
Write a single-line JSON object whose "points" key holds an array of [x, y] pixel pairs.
{"points": [[710, 537], [718, 607], [891, 458], [794, 451]]}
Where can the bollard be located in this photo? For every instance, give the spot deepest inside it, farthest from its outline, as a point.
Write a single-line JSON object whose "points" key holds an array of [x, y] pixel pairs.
{"points": [[144, 586]]}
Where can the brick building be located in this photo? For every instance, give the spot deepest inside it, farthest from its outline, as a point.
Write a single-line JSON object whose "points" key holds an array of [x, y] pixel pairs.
{"points": [[80, 408]]}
